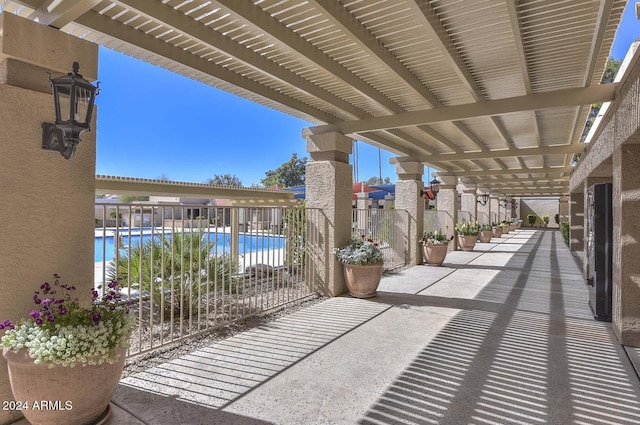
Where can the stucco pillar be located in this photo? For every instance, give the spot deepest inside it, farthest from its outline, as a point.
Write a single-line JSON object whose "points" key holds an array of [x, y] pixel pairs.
{"points": [[563, 209], [483, 210], [469, 200], [576, 221], [410, 224], [626, 244], [47, 206], [494, 207], [448, 205], [362, 212], [328, 188], [388, 201]]}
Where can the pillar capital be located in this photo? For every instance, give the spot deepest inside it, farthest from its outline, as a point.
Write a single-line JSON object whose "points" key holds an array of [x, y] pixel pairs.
{"points": [[448, 182], [407, 168], [469, 188], [328, 146]]}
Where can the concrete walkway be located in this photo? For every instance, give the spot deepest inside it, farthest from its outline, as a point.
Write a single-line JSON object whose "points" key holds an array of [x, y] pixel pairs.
{"points": [[501, 335]]}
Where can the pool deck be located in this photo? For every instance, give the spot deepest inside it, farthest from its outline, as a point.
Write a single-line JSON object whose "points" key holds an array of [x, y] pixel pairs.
{"points": [[500, 335]]}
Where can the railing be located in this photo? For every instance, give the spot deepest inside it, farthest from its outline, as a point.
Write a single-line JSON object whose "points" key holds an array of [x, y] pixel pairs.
{"points": [[438, 220], [383, 226], [187, 274]]}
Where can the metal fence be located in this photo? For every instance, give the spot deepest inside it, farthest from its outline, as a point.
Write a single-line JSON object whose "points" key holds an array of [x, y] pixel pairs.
{"points": [[189, 269], [386, 226]]}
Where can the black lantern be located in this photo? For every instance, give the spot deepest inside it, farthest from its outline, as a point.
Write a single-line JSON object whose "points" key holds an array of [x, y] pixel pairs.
{"points": [[434, 188], [503, 203], [73, 99], [514, 204], [484, 198]]}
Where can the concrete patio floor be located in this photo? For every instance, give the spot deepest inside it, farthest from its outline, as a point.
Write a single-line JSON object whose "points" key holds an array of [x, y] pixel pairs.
{"points": [[500, 335]]}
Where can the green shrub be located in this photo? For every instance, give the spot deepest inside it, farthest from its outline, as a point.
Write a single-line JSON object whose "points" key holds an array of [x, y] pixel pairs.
{"points": [[531, 219], [564, 229], [557, 218]]}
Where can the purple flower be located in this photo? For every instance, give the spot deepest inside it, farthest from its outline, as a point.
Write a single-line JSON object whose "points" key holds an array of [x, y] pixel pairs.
{"points": [[39, 322], [37, 301], [34, 314], [63, 310]]}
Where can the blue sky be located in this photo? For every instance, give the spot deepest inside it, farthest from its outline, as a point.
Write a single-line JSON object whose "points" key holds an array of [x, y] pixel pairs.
{"points": [[171, 125]]}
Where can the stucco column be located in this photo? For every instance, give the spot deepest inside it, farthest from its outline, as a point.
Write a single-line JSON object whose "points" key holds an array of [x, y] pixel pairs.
{"points": [[448, 205], [388, 201], [469, 200], [328, 188], [410, 224], [494, 207], [563, 209], [47, 206], [576, 221], [483, 210], [362, 212], [626, 249]]}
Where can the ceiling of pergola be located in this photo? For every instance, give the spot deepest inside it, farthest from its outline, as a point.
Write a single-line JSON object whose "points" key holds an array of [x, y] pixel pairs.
{"points": [[494, 91]]}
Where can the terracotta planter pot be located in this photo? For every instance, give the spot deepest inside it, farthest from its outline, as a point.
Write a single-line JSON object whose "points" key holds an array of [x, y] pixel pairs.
{"points": [[434, 255], [512, 227], [62, 394], [518, 225], [497, 232], [485, 236], [467, 242], [505, 230], [362, 281]]}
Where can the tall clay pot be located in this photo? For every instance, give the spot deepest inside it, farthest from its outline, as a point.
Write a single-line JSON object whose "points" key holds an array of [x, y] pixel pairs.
{"points": [[485, 236], [67, 395], [467, 242], [362, 281], [497, 231], [434, 255]]}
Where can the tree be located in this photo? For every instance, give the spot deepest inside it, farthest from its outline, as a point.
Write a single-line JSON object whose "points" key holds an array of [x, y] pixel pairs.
{"points": [[289, 174], [225, 180], [377, 181], [608, 76], [127, 199]]}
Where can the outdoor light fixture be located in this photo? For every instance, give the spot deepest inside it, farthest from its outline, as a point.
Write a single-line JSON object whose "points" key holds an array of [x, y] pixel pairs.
{"points": [[484, 198], [514, 204], [73, 99], [434, 187], [503, 203]]}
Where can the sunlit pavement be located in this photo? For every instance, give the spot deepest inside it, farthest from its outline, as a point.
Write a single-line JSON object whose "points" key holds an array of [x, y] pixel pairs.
{"points": [[500, 335]]}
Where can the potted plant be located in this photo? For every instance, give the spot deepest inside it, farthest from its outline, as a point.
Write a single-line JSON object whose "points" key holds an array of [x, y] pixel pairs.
{"points": [[362, 261], [467, 235], [504, 225], [531, 219], [434, 246], [545, 220], [485, 233], [67, 353], [496, 229]]}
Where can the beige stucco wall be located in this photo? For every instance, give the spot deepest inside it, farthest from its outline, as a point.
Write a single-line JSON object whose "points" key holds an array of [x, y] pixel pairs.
{"points": [[540, 207], [47, 208]]}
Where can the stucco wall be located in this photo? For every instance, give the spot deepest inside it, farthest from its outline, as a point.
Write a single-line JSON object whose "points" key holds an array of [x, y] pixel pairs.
{"points": [[47, 208], [539, 207]]}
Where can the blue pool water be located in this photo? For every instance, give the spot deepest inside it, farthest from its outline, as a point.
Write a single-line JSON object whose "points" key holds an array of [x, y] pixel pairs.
{"points": [[220, 243]]}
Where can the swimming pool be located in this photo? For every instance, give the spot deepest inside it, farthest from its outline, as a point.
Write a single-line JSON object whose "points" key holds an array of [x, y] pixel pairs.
{"points": [[220, 242]]}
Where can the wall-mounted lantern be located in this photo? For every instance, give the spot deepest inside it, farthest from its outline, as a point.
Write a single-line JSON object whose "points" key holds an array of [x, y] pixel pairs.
{"points": [[484, 198], [73, 99], [434, 188], [514, 205], [503, 203]]}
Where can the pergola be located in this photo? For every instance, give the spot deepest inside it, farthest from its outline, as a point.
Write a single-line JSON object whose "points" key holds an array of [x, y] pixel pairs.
{"points": [[491, 91]]}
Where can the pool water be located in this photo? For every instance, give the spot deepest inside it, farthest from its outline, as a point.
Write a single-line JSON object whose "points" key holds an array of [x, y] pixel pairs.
{"points": [[220, 243]]}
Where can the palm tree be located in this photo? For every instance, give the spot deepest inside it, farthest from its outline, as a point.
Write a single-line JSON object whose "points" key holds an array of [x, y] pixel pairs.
{"points": [[176, 270]]}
